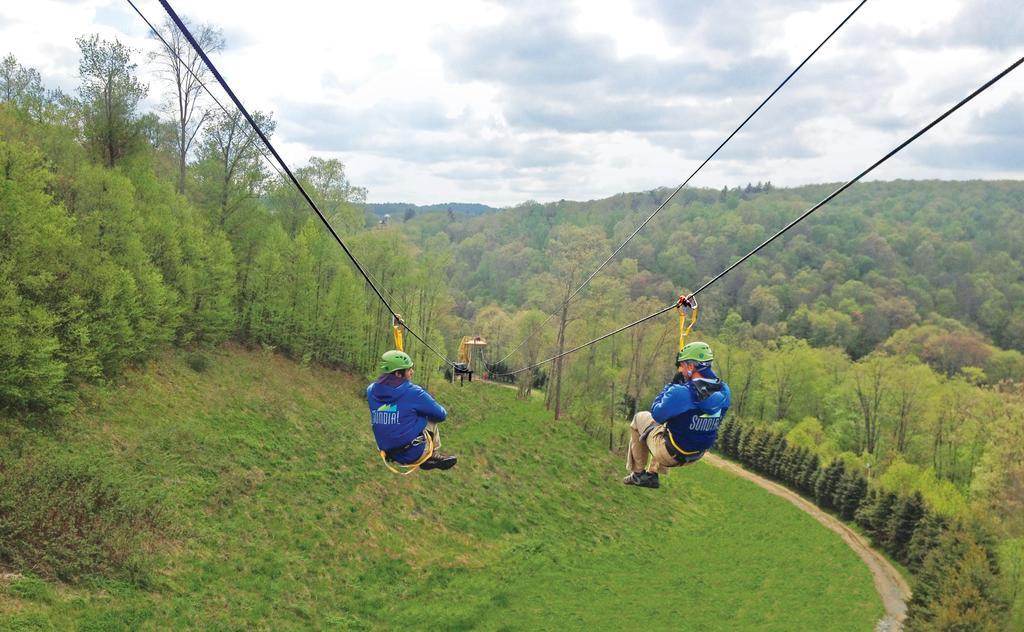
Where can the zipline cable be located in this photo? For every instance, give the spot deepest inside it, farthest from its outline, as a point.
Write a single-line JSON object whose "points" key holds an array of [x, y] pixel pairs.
{"points": [[257, 146], [187, 67], [988, 84], [688, 179], [594, 341], [224, 109], [291, 176]]}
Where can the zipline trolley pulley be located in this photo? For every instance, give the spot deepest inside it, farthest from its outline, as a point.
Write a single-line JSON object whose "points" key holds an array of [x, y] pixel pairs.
{"points": [[686, 303]]}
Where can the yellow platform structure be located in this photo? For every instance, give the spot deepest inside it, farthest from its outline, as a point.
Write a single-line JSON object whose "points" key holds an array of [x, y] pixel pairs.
{"points": [[464, 367]]}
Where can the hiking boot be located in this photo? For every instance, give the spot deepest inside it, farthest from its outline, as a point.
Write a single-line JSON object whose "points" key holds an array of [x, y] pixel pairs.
{"points": [[642, 479], [440, 461]]}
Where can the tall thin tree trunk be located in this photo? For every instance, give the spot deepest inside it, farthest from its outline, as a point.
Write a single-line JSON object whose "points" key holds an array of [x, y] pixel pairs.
{"points": [[181, 172], [611, 417], [558, 366]]}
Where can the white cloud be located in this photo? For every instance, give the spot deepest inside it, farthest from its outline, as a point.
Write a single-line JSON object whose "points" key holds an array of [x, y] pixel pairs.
{"points": [[633, 35], [493, 102]]}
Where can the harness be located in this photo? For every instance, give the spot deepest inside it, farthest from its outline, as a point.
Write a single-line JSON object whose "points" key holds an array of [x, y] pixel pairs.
{"points": [[679, 454], [683, 457], [388, 455]]}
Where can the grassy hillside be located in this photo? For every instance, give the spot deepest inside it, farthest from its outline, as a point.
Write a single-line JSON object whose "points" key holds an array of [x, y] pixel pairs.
{"points": [[277, 514]]}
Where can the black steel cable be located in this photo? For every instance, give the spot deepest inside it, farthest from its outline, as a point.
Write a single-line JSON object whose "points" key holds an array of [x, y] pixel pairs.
{"points": [[861, 175], [291, 176], [167, 45], [691, 176], [594, 341], [988, 84], [224, 109]]}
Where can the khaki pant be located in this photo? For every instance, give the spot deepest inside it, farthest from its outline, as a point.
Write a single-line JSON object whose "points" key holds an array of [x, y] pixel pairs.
{"points": [[652, 446], [435, 433]]}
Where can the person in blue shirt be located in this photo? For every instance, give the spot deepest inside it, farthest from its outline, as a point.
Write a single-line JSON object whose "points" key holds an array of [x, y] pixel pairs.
{"points": [[404, 417], [683, 421]]}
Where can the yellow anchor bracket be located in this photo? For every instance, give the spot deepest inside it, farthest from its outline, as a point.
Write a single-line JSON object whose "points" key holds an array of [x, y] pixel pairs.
{"points": [[686, 303]]}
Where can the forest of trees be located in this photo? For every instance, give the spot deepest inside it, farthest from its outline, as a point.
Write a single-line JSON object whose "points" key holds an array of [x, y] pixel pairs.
{"points": [[879, 259], [881, 342], [126, 231]]}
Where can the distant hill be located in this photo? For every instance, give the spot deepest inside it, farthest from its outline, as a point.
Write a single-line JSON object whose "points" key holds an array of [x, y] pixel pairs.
{"points": [[882, 257], [398, 209]]}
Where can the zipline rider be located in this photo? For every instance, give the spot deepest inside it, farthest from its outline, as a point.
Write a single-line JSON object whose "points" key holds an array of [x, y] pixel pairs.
{"points": [[404, 417], [683, 421]]}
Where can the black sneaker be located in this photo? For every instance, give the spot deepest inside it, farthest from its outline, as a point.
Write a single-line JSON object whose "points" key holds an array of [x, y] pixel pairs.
{"points": [[440, 461], [642, 479]]}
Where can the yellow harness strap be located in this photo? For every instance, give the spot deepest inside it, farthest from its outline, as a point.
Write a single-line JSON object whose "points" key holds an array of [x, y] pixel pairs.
{"points": [[684, 329], [396, 327], [412, 467], [676, 445]]}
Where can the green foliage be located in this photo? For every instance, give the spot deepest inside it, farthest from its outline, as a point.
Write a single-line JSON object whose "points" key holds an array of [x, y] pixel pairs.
{"points": [[852, 490], [808, 473], [1011, 565], [915, 430], [876, 518], [864, 516], [882, 259], [35, 233], [906, 478], [1004, 366], [110, 94], [809, 433], [32, 589], [21, 88], [229, 173], [104, 267], [30, 375], [999, 475], [789, 324], [926, 537], [827, 485], [957, 588], [902, 524], [339, 199], [198, 362], [110, 306]]}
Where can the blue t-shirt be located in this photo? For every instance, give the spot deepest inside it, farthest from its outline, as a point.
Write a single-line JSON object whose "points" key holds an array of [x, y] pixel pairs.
{"points": [[693, 423], [399, 411]]}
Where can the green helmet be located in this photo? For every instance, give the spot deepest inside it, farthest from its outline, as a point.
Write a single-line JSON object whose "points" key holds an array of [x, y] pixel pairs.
{"points": [[394, 361], [696, 352]]}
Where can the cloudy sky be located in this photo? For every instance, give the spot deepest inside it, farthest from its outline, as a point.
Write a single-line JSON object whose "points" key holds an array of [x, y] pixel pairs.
{"points": [[501, 102]]}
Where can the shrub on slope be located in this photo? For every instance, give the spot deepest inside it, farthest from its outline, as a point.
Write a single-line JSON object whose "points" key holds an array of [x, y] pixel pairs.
{"points": [[65, 519]]}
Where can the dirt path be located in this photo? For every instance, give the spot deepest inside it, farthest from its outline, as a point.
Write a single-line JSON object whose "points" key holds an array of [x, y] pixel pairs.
{"points": [[533, 393], [501, 384], [891, 586]]}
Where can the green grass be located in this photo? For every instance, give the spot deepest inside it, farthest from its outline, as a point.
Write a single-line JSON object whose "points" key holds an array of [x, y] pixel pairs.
{"points": [[279, 515]]}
